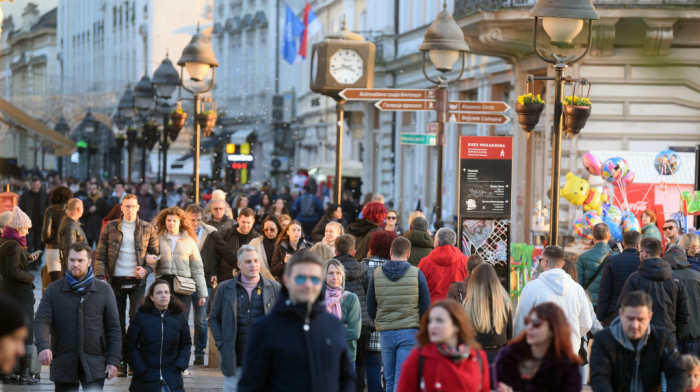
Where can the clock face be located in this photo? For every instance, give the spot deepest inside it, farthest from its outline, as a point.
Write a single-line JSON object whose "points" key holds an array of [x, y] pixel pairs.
{"points": [[314, 67], [346, 66]]}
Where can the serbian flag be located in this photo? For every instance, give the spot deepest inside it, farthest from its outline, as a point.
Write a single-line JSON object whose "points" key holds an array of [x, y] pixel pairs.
{"points": [[312, 26]]}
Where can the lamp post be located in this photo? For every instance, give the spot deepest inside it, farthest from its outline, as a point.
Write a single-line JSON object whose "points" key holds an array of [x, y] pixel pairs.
{"points": [[88, 127], [144, 93], [197, 59], [444, 43], [63, 128], [126, 111], [562, 20], [165, 80]]}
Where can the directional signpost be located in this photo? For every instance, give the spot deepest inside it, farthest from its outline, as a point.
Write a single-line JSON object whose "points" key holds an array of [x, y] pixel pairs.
{"points": [[477, 106], [418, 138], [413, 106], [477, 118], [377, 94]]}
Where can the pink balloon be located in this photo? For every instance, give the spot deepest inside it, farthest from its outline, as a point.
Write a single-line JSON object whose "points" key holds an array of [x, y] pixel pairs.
{"points": [[592, 163], [628, 178]]}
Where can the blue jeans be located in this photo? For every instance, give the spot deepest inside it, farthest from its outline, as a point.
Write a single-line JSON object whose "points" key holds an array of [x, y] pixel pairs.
{"points": [[200, 324], [396, 346], [374, 371]]}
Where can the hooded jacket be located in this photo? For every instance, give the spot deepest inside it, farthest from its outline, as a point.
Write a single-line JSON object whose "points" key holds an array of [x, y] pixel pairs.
{"points": [[617, 365], [444, 265], [689, 278], [297, 348], [357, 281], [613, 277], [422, 243], [556, 286], [388, 301], [669, 297], [362, 230]]}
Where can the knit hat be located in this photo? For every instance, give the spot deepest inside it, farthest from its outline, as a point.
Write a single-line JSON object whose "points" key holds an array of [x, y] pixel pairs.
{"points": [[12, 316], [18, 219], [419, 223], [4, 217]]}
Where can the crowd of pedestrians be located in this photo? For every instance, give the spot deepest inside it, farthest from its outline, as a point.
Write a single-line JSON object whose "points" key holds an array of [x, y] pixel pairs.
{"points": [[300, 294]]}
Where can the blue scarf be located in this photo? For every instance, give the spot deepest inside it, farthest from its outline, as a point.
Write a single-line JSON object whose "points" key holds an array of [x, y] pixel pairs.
{"points": [[80, 286]]}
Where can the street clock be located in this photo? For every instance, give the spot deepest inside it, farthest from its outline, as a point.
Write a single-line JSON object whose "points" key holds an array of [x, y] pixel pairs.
{"points": [[342, 60]]}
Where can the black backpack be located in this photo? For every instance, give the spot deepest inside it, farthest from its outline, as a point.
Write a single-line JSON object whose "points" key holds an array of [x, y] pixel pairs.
{"points": [[307, 206]]}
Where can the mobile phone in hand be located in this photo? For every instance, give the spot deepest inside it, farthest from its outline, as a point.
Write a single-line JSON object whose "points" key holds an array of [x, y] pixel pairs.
{"points": [[36, 254]]}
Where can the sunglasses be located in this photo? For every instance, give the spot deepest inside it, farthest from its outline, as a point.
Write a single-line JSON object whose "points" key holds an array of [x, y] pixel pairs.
{"points": [[535, 322], [301, 279], [270, 229], [390, 217], [669, 228]]}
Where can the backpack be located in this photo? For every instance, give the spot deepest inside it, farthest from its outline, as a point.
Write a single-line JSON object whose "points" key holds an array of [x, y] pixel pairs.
{"points": [[307, 206]]}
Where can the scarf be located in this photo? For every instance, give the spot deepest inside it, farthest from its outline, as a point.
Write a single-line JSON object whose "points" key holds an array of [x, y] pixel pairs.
{"points": [[12, 234], [80, 286], [456, 354], [333, 301]]}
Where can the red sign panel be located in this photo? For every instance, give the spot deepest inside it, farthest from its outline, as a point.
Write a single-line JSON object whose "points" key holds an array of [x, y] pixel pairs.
{"points": [[486, 147]]}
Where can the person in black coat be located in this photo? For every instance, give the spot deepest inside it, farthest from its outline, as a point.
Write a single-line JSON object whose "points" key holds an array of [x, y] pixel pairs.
{"points": [[298, 346], [631, 354], [289, 242], [34, 202], [655, 277], [158, 341], [690, 278], [333, 214], [614, 275]]}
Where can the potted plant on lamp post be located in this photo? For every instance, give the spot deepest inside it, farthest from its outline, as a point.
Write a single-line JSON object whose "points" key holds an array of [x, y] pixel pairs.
{"points": [[529, 107], [576, 112], [207, 121], [178, 117]]}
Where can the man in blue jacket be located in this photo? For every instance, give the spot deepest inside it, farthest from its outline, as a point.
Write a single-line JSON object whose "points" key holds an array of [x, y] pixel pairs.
{"points": [[307, 210], [298, 346]]}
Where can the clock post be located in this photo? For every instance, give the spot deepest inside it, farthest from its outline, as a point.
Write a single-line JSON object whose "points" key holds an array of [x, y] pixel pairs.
{"points": [[342, 60]]}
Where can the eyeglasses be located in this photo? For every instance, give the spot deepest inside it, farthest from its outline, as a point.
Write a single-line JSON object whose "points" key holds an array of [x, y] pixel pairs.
{"points": [[301, 279], [535, 322], [391, 217], [669, 227]]}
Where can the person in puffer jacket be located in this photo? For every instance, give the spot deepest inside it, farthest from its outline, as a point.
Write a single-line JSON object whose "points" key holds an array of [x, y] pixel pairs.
{"points": [[158, 341], [690, 278], [444, 265]]}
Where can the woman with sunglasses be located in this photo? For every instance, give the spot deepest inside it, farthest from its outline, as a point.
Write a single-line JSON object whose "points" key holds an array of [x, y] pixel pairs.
{"points": [[448, 357], [265, 244], [289, 242], [649, 228], [392, 222], [541, 358]]}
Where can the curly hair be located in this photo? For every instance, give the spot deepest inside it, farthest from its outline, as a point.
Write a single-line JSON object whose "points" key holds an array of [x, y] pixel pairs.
{"points": [[159, 222], [60, 195], [374, 212], [380, 243]]}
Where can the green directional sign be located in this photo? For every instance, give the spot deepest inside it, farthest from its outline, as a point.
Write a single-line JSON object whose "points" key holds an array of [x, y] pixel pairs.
{"points": [[418, 138]]}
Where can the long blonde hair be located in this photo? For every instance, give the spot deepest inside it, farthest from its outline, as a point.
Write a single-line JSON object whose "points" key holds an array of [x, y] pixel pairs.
{"points": [[484, 288]]}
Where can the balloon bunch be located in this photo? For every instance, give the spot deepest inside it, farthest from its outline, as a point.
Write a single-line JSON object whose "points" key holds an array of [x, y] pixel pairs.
{"points": [[578, 192], [614, 171], [618, 222]]}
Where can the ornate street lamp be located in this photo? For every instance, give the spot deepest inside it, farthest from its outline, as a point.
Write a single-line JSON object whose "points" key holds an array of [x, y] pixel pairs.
{"points": [[197, 59], [63, 128], [444, 44], [144, 95], [88, 128], [165, 81], [126, 110], [562, 20]]}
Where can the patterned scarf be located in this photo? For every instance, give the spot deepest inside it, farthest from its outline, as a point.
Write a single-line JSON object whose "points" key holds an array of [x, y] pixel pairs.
{"points": [[12, 234], [333, 301], [80, 286], [456, 354]]}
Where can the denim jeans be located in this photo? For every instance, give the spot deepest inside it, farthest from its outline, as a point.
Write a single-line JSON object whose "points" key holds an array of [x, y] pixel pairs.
{"points": [[200, 323], [374, 372], [396, 346]]}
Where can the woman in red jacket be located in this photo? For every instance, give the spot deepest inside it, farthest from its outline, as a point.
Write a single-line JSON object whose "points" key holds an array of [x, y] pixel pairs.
{"points": [[447, 358]]}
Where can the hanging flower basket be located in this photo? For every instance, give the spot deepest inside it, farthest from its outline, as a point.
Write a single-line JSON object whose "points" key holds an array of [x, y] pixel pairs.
{"points": [[173, 131], [577, 109], [139, 141], [207, 121], [120, 140], [131, 135], [179, 117], [529, 107]]}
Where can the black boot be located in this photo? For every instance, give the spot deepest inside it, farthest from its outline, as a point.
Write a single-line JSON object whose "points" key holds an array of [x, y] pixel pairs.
{"points": [[25, 378]]}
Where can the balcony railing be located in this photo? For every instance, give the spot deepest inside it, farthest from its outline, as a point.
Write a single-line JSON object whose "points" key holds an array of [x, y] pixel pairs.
{"points": [[464, 7]]}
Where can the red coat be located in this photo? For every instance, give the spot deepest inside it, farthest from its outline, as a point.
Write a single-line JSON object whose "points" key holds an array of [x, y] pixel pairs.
{"points": [[444, 265], [441, 374]]}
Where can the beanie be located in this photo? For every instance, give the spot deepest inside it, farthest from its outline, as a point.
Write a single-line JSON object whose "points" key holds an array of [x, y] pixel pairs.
{"points": [[12, 316], [19, 219], [419, 223], [4, 217]]}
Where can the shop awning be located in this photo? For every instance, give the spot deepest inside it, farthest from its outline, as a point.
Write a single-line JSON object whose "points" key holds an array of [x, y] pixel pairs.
{"points": [[62, 145], [241, 136]]}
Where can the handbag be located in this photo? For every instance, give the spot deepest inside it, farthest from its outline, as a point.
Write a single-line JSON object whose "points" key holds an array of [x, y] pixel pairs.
{"points": [[184, 286]]}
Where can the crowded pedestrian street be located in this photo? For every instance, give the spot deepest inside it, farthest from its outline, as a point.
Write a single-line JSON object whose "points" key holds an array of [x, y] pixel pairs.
{"points": [[350, 195]]}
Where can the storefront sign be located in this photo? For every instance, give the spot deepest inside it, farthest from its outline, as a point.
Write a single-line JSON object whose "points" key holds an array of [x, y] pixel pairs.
{"points": [[485, 174]]}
